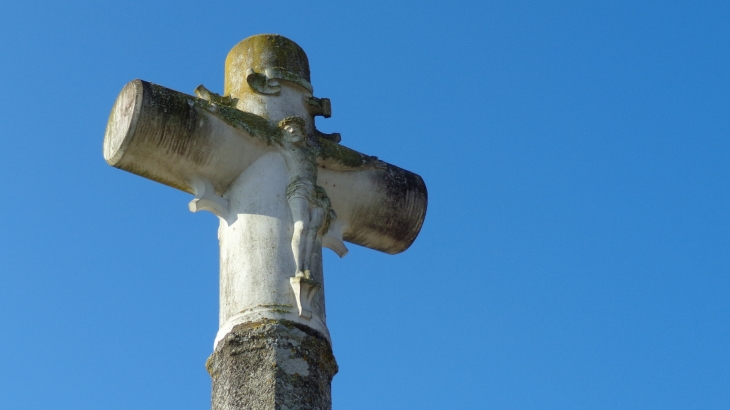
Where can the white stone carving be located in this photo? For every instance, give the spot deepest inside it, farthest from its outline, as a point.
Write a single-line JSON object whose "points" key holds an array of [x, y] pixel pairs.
{"points": [[304, 290], [206, 198], [281, 189]]}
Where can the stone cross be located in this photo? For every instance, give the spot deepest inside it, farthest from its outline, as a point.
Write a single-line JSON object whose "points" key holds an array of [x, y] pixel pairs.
{"points": [[282, 190]]}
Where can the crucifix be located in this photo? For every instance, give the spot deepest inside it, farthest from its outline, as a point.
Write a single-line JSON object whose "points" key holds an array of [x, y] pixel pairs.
{"points": [[282, 191]]}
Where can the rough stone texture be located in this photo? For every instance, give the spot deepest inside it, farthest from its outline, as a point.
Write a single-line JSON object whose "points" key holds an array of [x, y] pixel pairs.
{"points": [[271, 365]]}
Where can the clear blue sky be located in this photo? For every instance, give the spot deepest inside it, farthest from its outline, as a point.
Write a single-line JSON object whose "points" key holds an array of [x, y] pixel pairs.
{"points": [[575, 253]]}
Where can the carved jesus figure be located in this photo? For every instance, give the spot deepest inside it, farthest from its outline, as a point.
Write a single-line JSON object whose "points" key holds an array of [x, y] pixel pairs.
{"points": [[310, 207]]}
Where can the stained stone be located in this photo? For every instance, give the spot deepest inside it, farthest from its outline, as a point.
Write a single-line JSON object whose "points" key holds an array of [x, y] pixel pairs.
{"points": [[272, 365]]}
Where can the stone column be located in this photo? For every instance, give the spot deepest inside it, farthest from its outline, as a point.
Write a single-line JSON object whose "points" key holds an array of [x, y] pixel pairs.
{"points": [[275, 364], [268, 356]]}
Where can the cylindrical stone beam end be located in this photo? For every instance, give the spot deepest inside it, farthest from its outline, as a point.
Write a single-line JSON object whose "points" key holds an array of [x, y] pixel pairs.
{"points": [[169, 137]]}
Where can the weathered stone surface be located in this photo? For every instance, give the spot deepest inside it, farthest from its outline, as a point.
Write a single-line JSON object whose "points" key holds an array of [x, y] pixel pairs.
{"points": [[271, 365]]}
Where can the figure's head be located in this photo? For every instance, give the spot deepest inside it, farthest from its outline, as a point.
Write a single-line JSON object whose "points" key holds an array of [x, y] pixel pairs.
{"points": [[293, 128]]}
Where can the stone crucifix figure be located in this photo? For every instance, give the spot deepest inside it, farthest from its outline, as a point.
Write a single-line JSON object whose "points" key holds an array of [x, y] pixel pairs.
{"points": [[310, 206], [282, 190], [311, 209]]}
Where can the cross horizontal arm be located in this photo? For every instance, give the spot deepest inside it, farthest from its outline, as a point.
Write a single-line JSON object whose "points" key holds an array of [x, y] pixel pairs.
{"points": [[177, 139]]}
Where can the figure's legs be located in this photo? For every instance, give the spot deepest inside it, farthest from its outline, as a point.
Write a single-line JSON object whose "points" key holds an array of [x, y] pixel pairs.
{"points": [[300, 216], [315, 223]]}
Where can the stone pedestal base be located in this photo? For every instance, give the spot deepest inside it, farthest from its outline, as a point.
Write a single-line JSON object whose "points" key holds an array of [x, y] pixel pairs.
{"points": [[273, 365]]}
